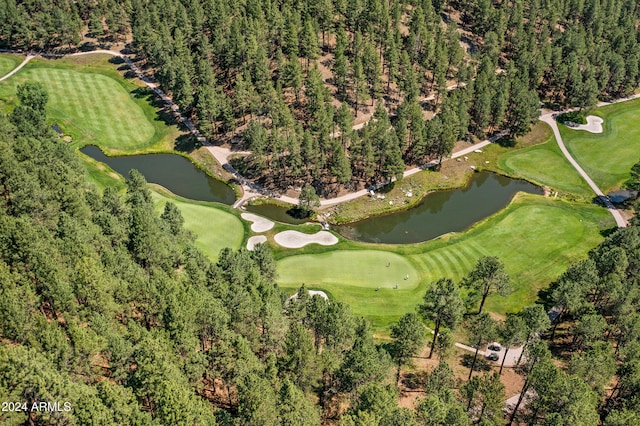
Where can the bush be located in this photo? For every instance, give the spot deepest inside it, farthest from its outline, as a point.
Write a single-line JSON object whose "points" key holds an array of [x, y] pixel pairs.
{"points": [[579, 117]]}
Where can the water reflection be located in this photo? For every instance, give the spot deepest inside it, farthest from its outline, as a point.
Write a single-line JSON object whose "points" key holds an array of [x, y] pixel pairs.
{"points": [[172, 171], [441, 212]]}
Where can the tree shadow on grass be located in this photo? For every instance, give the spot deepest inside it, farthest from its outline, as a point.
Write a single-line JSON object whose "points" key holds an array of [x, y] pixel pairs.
{"points": [[606, 232], [481, 363], [163, 112], [142, 93], [129, 75], [544, 298], [186, 143], [387, 188], [506, 142]]}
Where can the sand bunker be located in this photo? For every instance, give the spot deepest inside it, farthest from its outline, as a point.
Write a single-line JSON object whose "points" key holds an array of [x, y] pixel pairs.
{"points": [[594, 125], [311, 294], [257, 239], [260, 224], [295, 239]]}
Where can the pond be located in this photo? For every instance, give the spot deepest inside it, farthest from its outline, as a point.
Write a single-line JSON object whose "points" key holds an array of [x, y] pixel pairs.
{"points": [[440, 212], [172, 171]]}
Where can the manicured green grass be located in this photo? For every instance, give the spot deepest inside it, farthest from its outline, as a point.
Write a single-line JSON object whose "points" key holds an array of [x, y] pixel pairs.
{"points": [[607, 157], [8, 62], [359, 268], [95, 105], [545, 165], [215, 227], [536, 238]]}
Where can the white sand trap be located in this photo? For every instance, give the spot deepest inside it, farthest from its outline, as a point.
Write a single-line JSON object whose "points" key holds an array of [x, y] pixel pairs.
{"points": [[256, 239], [295, 239], [311, 294], [260, 224], [594, 125]]}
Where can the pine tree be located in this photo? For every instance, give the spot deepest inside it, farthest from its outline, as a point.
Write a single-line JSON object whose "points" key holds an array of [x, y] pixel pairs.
{"points": [[359, 84]]}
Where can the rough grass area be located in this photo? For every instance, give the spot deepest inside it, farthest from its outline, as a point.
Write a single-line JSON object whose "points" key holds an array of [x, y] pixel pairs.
{"points": [[8, 62], [94, 104], [535, 237], [216, 227], [101, 174], [607, 157]]}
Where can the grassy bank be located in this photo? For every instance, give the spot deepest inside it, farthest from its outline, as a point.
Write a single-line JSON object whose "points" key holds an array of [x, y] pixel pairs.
{"points": [[544, 165]]}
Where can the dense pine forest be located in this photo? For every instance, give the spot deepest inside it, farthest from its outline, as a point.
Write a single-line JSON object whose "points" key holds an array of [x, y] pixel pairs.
{"points": [[288, 79], [107, 304]]}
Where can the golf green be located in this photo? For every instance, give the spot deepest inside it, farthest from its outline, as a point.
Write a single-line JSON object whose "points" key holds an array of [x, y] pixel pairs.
{"points": [[607, 157], [215, 228], [358, 268]]}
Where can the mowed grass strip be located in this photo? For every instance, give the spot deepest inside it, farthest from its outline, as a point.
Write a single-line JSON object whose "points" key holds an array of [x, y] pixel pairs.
{"points": [[535, 237], [214, 227], [92, 107], [607, 157], [8, 62]]}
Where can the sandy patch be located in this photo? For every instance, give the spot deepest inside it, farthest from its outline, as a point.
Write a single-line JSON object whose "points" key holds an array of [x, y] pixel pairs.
{"points": [[311, 294], [257, 239], [594, 125], [295, 239], [260, 224]]}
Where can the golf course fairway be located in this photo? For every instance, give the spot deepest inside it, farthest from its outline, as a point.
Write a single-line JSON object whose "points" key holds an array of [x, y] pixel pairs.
{"points": [[535, 237]]}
